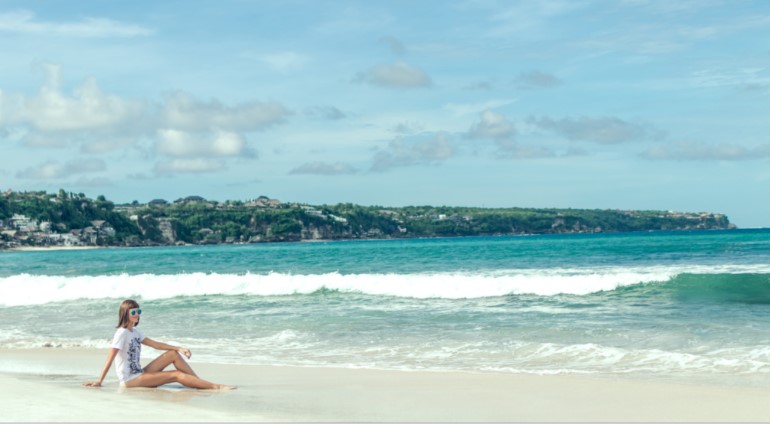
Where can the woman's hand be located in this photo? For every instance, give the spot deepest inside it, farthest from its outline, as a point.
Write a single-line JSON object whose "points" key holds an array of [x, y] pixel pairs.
{"points": [[92, 384], [185, 351]]}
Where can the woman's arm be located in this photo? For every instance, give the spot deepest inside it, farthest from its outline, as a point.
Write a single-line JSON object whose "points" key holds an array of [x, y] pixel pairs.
{"points": [[107, 365], [163, 346]]}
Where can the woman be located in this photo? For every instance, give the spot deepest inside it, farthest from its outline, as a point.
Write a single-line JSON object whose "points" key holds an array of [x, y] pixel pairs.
{"points": [[126, 347]]}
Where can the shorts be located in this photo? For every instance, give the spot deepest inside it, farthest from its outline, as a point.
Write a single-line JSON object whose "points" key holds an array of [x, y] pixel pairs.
{"points": [[131, 377]]}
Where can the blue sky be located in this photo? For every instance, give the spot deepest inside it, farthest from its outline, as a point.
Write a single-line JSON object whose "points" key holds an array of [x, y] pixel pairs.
{"points": [[584, 104]]}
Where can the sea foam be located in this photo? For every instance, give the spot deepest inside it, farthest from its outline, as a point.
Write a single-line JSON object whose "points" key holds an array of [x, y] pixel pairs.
{"points": [[27, 289]]}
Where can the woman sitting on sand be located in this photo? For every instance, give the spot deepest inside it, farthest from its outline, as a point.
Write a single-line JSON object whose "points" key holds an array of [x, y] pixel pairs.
{"points": [[126, 346]]}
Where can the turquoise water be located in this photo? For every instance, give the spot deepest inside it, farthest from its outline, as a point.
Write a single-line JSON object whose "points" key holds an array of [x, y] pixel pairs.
{"points": [[681, 305]]}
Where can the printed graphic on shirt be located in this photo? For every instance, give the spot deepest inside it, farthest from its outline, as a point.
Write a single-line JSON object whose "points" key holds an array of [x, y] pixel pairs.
{"points": [[134, 350]]}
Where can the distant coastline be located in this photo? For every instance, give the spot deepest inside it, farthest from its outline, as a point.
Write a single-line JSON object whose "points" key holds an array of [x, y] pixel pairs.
{"points": [[64, 220], [46, 248]]}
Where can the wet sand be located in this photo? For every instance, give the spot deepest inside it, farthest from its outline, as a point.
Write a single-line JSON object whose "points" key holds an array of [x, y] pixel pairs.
{"points": [[45, 385]]}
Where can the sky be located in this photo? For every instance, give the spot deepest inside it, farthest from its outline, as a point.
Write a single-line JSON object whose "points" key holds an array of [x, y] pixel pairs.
{"points": [[651, 105]]}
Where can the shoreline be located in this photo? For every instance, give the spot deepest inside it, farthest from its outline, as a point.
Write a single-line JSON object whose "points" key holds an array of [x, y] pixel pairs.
{"points": [[56, 248], [288, 393], [49, 248]]}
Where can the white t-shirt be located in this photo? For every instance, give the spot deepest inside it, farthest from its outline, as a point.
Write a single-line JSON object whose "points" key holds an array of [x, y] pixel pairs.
{"points": [[127, 361]]}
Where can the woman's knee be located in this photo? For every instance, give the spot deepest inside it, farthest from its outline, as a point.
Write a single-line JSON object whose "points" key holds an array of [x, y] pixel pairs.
{"points": [[172, 355], [178, 376]]}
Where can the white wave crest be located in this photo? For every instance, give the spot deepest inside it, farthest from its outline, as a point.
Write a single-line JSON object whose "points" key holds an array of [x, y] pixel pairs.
{"points": [[26, 289]]}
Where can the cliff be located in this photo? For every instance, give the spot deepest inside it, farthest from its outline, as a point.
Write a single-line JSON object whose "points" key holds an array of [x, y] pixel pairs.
{"points": [[43, 219]]}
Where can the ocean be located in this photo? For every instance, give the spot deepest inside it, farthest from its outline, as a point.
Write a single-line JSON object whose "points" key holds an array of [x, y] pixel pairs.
{"points": [[689, 306]]}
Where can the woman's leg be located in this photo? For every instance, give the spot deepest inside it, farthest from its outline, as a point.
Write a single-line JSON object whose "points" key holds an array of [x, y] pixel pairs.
{"points": [[159, 378], [154, 376], [170, 357]]}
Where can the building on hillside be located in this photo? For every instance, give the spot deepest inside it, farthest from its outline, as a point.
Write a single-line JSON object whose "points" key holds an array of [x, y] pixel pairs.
{"points": [[19, 221], [103, 229]]}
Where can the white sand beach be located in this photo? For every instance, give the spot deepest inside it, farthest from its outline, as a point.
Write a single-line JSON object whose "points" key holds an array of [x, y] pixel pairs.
{"points": [[45, 385]]}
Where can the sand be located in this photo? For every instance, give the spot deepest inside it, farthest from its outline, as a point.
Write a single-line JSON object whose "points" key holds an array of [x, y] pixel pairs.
{"points": [[45, 385]]}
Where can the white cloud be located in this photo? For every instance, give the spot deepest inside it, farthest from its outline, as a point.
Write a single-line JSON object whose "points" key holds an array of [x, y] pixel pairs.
{"points": [[84, 165], [192, 166], [324, 168], [413, 151], [48, 170], [45, 140], [497, 127], [325, 112], [484, 85], [108, 143], [25, 22], [604, 130], [395, 45], [87, 109], [513, 150], [175, 143], [536, 79], [184, 112], [463, 109], [492, 125], [55, 170], [94, 122], [138, 176], [396, 75], [406, 128], [285, 61]]}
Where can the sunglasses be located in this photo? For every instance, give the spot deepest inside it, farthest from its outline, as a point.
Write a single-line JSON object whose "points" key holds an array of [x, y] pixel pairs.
{"points": [[136, 311]]}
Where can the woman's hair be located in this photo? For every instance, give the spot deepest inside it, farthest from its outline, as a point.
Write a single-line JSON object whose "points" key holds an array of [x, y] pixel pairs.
{"points": [[126, 306]]}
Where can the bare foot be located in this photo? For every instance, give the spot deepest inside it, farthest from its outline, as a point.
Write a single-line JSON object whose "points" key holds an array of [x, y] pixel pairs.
{"points": [[225, 387]]}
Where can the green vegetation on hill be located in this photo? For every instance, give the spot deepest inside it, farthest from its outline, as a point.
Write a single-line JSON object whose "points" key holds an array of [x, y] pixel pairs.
{"points": [[194, 220]]}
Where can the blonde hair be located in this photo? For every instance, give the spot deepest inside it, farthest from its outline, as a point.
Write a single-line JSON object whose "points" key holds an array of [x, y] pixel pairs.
{"points": [[126, 306]]}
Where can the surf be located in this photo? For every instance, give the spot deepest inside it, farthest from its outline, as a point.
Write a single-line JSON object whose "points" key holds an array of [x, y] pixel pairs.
{"points": [[726, 283]]}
